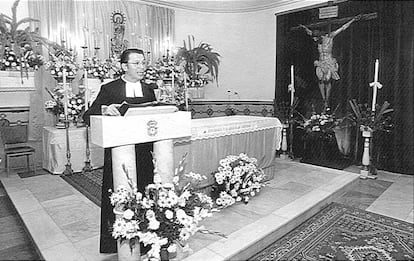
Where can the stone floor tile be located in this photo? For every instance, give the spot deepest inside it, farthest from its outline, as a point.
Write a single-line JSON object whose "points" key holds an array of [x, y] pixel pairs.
{"points": [[43, 229], [82, 229], [24, 201], [410, 217], [62, 252], [89, 249], [19, 252]]}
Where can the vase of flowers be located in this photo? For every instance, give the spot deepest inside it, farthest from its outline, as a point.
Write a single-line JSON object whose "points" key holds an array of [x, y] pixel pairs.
{"points": [[128, 250], [19, 46], [238, 179], [56, 106], [165, 215], [96, 69], [63, 61]]}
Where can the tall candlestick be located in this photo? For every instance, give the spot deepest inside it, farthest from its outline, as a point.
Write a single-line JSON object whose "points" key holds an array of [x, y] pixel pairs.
{"points": [[292, 75], [86, 90], [186, 91], [65, 97]]}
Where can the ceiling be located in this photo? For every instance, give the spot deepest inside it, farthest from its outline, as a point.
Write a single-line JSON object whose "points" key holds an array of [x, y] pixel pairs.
{"points": [[230, 6]]}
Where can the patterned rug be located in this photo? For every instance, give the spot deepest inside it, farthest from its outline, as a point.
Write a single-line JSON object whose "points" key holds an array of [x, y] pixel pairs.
{"points": [[340, 232], [88, 183]]}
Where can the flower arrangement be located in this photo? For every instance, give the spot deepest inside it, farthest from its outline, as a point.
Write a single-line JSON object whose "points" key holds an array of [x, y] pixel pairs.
{"points": [[115, 66], [17, 44], [55, 105], [76, 104], [238, 178], [97, 69], [151, 75], [320, 123], [167, 213], [366, 120], [62, 60], [28, 60]]}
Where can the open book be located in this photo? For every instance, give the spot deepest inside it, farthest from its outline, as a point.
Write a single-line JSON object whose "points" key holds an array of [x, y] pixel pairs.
{"points": [[128, 109]]}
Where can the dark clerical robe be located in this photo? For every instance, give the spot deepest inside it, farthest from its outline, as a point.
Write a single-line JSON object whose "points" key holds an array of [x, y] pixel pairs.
{"points": [[115, 93]]}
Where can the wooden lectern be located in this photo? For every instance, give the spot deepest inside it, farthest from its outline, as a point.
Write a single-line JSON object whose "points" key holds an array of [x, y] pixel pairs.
{"points": [[121, 133]]}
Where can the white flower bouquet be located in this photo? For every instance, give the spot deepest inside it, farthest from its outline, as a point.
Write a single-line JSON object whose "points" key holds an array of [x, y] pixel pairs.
{"points": [[97, 69], [238, 178], [166, 214], [63, 60]]}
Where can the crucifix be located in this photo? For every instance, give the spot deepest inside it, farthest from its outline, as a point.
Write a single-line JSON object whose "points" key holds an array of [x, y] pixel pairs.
{"points": [[327, 66]]}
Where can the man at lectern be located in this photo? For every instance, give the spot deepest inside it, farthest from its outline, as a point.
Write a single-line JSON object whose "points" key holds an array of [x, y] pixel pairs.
{"points": [[128, 88]]}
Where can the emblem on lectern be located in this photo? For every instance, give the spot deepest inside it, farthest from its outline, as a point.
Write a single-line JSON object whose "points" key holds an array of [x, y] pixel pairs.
{"points": [[152, 128]]}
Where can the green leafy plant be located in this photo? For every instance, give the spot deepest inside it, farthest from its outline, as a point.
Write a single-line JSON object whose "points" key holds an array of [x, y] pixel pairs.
{"points": [[201, 62], [13, 36], [363, 117]]}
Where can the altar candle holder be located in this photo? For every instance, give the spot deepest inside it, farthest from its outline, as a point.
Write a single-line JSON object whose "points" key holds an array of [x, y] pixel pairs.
{"points": [[96, 51], [88, 166], [68, 167]]}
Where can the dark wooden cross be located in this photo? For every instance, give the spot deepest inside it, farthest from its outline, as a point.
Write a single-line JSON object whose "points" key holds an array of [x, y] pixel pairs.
{"points": [[329, 22]]}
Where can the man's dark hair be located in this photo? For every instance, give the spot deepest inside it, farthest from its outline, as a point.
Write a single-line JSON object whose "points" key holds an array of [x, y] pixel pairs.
{"points": [[125, 54]]}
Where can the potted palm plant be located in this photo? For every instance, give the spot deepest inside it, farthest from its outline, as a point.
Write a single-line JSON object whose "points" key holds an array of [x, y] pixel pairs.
{"points": [[200, 62], [19, 51], [368, 121]]}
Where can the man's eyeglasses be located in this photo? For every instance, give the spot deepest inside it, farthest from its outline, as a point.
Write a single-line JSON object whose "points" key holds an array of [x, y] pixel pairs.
{"points": [[143, 63]]}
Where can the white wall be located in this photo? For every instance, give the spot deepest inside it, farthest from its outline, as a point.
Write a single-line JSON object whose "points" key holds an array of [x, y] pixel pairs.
{"points": [[246, 42]]}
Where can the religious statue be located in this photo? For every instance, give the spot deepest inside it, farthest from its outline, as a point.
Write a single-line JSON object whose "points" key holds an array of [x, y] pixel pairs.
{"points": [[327, 66], [118, 44]]}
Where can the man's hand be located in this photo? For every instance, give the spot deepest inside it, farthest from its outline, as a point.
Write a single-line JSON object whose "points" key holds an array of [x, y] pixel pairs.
{"points": [[111, 110]]}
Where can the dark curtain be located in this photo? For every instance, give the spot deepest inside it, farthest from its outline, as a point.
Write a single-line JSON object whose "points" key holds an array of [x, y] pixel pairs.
{"points": [[389, 38]]}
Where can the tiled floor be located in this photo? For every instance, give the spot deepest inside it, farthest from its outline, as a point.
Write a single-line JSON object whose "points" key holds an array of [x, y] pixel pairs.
{"points": [[15, 243], [64, 224]]}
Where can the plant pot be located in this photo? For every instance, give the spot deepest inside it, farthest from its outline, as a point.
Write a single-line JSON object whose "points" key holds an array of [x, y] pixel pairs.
{"points": [[125, 253]]}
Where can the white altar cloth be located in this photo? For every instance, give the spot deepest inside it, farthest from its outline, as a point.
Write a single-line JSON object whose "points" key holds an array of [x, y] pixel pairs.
{"points": [[54, 150], [212, 139], [215, 138]]}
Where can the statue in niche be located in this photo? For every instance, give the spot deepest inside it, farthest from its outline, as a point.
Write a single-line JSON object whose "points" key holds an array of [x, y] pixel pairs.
{"points": [[118, 44]]}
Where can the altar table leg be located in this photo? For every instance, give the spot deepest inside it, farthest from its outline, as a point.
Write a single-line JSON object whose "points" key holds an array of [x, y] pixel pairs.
{"points": [[123, 155], [164, 155]]}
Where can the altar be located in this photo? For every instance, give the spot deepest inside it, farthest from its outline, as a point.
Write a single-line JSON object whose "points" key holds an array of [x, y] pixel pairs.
{"points": [[212, 139], [54, 150]]}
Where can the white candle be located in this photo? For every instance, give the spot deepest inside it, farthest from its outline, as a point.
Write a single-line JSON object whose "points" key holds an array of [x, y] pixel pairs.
{"points": [[85, 36], [374, 87], [292, 85], [374, 98]]}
